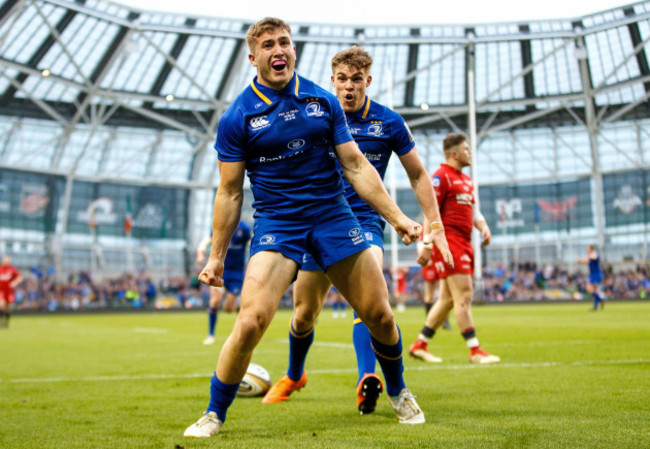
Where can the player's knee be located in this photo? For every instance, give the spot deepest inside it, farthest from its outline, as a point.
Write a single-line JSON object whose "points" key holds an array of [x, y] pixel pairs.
{"points": [[381, 320], [251, 327], [304, 319]]}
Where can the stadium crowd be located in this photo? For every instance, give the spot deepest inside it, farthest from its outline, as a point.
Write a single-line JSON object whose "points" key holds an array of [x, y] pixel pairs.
{"points": [[520, 282]]}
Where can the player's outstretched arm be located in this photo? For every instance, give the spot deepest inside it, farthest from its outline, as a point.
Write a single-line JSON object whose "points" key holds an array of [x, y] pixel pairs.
{"points": [[225, 217], [423, 189], [366, 181], [481, 225]]}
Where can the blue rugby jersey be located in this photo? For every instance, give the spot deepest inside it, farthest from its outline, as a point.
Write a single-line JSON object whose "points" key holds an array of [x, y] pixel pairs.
{"points": [[379, 131], [595, 272], [236, 254], [285, 137]]}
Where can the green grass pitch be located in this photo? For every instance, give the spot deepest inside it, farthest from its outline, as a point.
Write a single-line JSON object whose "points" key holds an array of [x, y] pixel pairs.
{"points": [[568, 378]]}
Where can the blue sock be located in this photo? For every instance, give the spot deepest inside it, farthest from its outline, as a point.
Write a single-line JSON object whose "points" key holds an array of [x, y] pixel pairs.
{"points": [[596, 299], [366, 359], [390, 360], [221, 396], [299, 344], [212, 320]]}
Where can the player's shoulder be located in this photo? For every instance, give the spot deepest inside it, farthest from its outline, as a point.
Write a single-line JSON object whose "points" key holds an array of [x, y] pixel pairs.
{"points": [[383, 112], [307, 89]]}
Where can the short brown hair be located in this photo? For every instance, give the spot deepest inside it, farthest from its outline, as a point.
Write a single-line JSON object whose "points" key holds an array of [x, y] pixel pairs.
{"points": [[452, 140], [265, 25], [354, 57]]}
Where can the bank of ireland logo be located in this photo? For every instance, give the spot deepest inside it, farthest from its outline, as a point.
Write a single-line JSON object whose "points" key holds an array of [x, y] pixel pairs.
{"points": [[356, 235], [296, 144], [267, 239], [259, 122], [313, 109]]}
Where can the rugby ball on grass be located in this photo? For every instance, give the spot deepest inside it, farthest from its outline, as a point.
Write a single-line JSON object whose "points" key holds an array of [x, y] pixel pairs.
{"points": [[256, 382]]}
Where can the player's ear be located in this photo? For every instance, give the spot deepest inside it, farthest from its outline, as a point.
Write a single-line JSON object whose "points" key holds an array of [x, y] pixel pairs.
{"points": [[368, 80], [251, 58]]}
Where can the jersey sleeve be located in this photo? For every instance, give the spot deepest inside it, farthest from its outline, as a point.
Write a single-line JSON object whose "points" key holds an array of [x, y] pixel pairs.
{"points": [[440, 187], [340, 129], [231, 143], [403, 141]]}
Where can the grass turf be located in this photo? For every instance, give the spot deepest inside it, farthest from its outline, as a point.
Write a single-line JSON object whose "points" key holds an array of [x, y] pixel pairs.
{"points": [[568, 378]]}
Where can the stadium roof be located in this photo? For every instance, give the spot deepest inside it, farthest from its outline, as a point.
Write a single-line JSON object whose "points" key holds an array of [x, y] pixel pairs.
{"points": [[76, 71]]}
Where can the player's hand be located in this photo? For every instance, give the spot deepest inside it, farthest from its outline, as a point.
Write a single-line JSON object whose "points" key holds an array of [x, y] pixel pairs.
{"points": [[200, 258], [424, 256], [408, 229], [438, 238], [212, 272], [486, 235]]}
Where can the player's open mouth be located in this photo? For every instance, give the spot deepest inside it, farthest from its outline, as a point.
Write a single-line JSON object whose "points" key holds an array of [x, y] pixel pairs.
{"points": [[279, 66], [349, 97]]}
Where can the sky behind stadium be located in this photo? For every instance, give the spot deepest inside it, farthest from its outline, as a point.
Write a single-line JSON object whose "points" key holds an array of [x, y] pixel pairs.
{"points": [[383, 12]]}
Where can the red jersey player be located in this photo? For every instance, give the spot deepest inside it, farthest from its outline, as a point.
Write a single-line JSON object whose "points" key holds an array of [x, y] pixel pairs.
{"points": [[9, 279], [455, 195]]}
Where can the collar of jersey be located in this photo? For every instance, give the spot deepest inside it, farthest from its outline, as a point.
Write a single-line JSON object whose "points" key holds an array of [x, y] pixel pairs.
{"points": [[365, 109], [451, 168], [258, 88]]}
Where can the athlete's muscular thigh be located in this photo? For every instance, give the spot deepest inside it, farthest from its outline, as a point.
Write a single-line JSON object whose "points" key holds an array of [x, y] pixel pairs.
{"points": [[268, 275], [460, 287], [309, 293], [360, 280]]}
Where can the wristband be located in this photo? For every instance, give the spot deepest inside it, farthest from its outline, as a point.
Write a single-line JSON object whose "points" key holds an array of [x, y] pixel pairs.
{"points": [[437, 226], [427, 245]]}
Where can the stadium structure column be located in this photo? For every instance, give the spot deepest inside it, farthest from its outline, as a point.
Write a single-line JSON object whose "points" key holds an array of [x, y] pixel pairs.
{"points": [[473, 139], [591, 122]]}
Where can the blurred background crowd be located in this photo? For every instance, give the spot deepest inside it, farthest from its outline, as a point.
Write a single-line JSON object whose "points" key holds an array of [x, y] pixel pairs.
{"points": [[521, 282]]}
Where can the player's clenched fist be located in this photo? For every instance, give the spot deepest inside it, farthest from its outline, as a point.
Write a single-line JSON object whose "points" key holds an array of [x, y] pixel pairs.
{"points": [[212, 272], [409, 230]]}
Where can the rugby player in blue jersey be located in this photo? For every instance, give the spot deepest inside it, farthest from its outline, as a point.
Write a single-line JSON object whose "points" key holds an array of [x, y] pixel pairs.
{"points": [[233, 275], [281, 131], [379, 132], [595, 276]]}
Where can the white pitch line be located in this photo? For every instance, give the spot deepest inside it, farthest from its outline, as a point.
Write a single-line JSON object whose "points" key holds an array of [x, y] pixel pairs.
{"points": [[436, 367]]}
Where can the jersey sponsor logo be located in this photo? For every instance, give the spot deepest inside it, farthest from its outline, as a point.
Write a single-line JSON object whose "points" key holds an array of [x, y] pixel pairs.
{"points": [[368, 236], [356, 235], [376, 130], [354, 131], [260, 122], [259, 105], [313, 109], [464, 198], [372, 157], [465, 258], [267, 239], [296, 144], [436, 181]]}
